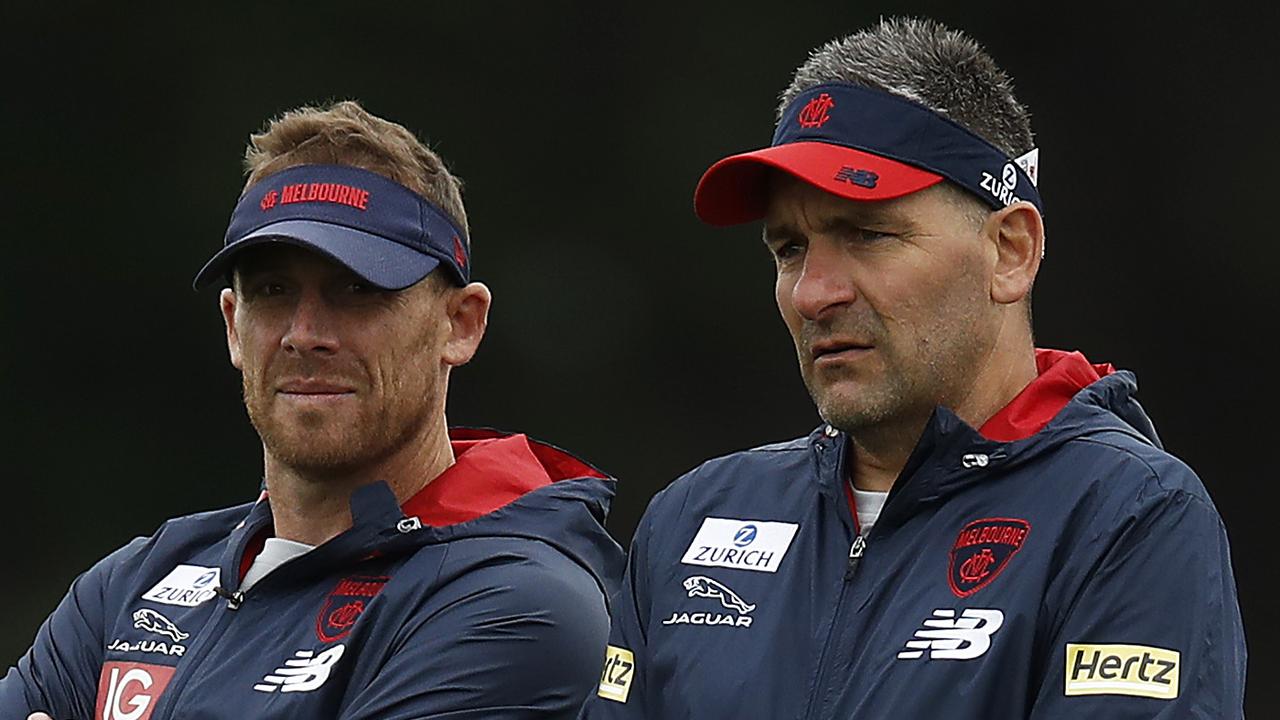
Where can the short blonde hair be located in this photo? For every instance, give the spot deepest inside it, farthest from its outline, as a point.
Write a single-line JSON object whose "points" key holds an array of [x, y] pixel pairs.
{"points": [[344, 133]]}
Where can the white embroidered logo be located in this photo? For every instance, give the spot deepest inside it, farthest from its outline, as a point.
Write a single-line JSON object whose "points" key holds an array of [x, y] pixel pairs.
{"points": [[740, 544], [153, 622], [304, 673], [185, 585], [949, 638]]}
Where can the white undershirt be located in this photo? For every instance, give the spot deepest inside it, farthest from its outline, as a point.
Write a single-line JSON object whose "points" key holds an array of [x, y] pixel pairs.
{"points": [[869, 504], [275, 553]]}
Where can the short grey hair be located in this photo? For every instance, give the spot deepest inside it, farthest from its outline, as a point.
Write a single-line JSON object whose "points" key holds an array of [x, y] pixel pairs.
{"points": [[928, 63], [932, 65]]}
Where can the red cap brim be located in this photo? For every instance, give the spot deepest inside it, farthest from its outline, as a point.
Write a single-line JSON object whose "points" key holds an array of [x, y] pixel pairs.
{"points": [[735, 189]]}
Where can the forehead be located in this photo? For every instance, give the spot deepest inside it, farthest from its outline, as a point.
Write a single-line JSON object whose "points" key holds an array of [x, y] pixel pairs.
{"points": [[796, 208], [792, 201]]}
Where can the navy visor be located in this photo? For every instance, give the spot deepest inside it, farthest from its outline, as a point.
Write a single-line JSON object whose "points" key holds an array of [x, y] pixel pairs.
{"points": [[863, 144], [381, 230]]}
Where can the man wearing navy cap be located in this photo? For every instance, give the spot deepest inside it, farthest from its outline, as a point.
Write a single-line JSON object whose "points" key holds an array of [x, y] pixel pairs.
{"points": [[979, 529], [392, 568]]}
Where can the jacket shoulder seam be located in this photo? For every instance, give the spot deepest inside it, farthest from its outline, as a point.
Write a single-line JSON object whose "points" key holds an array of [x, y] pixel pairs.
{"points": [[1152, 473]]}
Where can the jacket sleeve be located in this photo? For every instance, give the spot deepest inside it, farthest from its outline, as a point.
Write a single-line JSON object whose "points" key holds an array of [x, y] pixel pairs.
{"points": [[59, 674], [519, 638], [1154, 631], [621, 688]]}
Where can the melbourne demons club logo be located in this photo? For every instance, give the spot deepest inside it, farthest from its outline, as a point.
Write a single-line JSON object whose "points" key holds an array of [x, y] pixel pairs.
{"points": [[816, 112], [129, 690], [982, 551], [345, 604]]}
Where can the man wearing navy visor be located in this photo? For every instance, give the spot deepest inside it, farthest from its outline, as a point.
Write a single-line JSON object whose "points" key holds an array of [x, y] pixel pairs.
{"points": [[392, 567], [979, 528]]}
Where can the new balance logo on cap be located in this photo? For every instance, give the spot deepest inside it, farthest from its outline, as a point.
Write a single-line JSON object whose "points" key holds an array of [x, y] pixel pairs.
{"points": [[857, 176], [946, 637]]}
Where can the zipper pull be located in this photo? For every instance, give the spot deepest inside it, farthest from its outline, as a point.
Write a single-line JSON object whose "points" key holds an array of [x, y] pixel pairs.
{"points": [[234, 599], [855, 554]]}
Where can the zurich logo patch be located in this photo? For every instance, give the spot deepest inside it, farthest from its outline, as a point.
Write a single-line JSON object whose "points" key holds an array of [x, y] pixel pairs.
{"points": [[740, 543]]}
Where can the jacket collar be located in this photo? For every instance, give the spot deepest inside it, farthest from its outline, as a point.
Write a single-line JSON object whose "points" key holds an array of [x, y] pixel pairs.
{"points": [[1060, 375], [492, 471], [1070, 397]]}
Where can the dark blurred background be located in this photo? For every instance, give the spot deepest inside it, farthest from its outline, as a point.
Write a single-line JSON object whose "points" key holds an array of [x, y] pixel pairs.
{"points": [[621, 328]]}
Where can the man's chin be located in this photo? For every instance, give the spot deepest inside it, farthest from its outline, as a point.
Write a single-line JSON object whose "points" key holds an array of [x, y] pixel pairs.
{"points": [[316, 458], [848, 409], [311, 446]]}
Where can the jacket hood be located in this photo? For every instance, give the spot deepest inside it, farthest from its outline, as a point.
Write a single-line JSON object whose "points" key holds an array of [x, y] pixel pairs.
{"points": [[1065, 402], [1059, 376], [501, 485], [508, 485]]}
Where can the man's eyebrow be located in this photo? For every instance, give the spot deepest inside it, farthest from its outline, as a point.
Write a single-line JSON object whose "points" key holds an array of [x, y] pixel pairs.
{"points": [[256, 272], [862, 215], [257, 267], [255, 261], [843, 225], [851, 221], [772, 235]]}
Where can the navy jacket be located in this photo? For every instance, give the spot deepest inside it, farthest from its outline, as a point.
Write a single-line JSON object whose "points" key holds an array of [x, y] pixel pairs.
{"points": [[1081, 572], [502, 615]]}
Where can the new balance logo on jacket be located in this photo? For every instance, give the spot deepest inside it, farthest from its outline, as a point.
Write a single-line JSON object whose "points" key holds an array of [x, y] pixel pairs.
{"points": [[305, 672], [945, 637]]}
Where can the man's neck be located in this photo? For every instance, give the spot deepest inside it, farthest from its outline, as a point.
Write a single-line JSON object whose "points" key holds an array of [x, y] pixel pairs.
{"points": [[313, 507], [880, 453]]}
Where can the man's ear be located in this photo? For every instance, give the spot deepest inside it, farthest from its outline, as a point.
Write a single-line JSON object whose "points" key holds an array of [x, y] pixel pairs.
{"points": [[468, 315], [227, 300], [1018, 234]]}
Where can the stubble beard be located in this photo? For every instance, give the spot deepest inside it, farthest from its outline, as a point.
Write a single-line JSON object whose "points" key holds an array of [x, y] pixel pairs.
{"points": [[871, 404], [935, 370], [320, 444]]}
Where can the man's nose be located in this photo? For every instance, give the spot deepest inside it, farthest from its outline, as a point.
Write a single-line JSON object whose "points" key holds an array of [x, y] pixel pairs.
{"points": [[825, 282], [311, 327]]}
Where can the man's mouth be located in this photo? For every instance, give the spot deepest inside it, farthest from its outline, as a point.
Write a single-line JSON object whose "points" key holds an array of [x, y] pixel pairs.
{"points": [[835, 350], [309, 388]]}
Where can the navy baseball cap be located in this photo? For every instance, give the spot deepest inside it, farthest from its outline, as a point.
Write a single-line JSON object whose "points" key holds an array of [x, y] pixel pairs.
{"points": [[864, 144], [381, 230]]}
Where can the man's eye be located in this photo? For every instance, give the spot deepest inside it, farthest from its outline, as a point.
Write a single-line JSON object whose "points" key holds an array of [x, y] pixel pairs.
{"points": [[269, 289], [360, 287], [867, 236], [786, 250]]}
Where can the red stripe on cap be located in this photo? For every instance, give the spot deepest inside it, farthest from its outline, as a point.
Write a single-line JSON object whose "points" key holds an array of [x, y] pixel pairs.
{"points": [[735, 189]]}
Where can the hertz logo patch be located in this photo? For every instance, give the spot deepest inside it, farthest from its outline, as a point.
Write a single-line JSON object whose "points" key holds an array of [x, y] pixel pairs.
{"points": [[619, 670], [1122, 670]]}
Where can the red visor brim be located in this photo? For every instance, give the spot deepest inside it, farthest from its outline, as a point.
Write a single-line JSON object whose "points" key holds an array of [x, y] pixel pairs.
{"points": [[735, 189]]}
